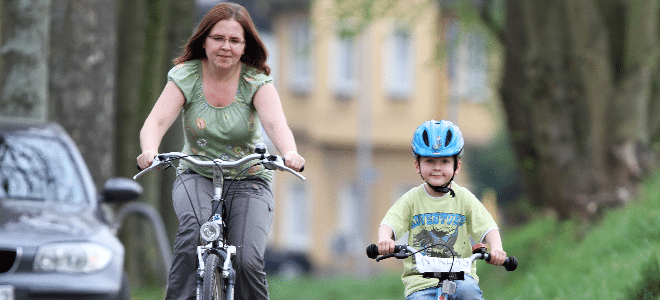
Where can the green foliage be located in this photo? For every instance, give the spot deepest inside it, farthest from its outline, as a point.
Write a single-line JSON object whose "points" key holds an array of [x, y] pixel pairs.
{"points": [[494, 166], [353, 16], [648, 287], [562, 260]]}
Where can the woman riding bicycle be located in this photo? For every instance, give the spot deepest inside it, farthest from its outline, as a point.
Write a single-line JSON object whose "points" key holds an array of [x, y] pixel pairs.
{"points": [[221, 82]]}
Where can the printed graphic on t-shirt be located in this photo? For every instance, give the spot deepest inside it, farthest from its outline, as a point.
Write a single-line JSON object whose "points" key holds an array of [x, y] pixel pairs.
{"points": [[439, 229]]}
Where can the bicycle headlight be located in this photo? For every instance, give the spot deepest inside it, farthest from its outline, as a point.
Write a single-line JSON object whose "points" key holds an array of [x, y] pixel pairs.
{"points": [[72, 258], [210, 231]]}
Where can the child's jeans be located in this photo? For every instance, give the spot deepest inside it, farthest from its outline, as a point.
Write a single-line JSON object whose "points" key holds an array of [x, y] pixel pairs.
{"points": [[467, 289]]}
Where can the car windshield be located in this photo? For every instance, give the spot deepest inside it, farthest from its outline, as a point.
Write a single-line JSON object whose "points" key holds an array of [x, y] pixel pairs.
{"points": [[36, 168]]}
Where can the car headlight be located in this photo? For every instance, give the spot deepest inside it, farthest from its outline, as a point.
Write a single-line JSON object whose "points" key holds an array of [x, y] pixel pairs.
{"points": [[72, 258], [210, 231]]}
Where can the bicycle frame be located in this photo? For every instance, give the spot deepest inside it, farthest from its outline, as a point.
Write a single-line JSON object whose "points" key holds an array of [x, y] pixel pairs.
{"points": [[216, 243]]}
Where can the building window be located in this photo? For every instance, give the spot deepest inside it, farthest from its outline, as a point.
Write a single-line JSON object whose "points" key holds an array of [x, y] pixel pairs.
{"points": [[301, 56], [398, 63], [468, 63], [348, 214], [342, 66]]}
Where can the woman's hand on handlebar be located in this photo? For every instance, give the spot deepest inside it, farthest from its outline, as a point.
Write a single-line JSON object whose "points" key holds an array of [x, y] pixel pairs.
{"points": [[497, 257], [293, 160], [145, 159]]}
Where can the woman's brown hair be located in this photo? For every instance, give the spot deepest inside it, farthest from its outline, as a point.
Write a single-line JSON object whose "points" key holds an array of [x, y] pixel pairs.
{"points": [[255, 54]]}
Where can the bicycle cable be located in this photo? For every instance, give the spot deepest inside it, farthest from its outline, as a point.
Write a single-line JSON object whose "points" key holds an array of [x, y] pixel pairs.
{"points": [[226, 191], [222, 196], [453, 253], [178, 175]]}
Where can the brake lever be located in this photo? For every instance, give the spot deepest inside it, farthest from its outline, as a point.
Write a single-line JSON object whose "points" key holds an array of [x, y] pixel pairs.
{"points": [[398, 255], [158, 161], [301, 168], [273, 162], [384, 257]]}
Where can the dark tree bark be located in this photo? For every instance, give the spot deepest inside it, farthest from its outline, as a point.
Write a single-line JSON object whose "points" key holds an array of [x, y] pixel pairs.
{"points": [[24, 49], [151, 33], [578, 108], [82, 66]]}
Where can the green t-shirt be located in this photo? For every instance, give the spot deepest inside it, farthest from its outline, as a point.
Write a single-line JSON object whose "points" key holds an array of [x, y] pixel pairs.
{"points": [[229, 132], [429, 220]]}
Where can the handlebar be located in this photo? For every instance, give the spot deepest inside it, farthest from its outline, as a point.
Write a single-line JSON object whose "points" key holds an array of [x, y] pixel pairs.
{"points": [[271, 162], [404, 251]]}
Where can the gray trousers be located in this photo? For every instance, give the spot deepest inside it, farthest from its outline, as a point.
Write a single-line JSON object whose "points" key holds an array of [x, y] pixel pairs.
{"points": [[249, 206]]}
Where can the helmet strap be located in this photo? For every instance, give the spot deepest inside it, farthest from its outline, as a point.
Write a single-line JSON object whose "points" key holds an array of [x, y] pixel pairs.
{"points": [[444, 188]]}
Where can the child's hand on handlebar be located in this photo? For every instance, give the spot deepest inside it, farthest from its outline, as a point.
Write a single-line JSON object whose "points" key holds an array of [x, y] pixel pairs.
{"points": [[386, 246], [145, 159], [497, 257]]}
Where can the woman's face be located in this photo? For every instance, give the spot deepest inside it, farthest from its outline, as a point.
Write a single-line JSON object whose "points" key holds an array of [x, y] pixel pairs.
{"points": [[225, 44]]}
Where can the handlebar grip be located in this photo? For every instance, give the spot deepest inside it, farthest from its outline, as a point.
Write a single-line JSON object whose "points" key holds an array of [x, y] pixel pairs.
{"points": [[372, 250], [510, 263]]}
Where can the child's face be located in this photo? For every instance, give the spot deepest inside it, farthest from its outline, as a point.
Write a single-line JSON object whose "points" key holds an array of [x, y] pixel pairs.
{"points": [[436, 171]]}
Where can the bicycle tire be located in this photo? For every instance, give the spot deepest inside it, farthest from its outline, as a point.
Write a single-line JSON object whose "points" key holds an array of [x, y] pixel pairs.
{"points": [[213, 287]]}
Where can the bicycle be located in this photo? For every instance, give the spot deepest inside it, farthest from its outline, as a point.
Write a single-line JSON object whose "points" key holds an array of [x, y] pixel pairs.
{"points": [[446, 270], [215, 274]]}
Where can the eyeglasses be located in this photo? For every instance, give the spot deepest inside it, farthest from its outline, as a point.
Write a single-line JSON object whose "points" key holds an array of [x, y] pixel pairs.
{"points": [[233, 42]]}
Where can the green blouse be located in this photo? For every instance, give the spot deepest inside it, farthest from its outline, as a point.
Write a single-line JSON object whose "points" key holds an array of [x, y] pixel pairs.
{"points": [[229, 132]]}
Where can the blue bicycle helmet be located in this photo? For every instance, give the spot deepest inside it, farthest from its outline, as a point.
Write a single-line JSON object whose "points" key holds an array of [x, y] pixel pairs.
{"points": [[438, 139]]}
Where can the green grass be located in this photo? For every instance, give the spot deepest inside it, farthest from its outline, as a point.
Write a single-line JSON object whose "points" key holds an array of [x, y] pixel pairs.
{"points": [[618, 258], [342, 287], [148, 293]]}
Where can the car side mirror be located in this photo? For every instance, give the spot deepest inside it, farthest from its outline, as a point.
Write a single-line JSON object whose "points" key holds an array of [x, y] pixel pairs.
{"points": [[120, 189]]}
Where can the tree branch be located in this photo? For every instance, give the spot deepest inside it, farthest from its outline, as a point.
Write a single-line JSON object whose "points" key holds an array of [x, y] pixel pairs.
{"points": [[489, 22]]}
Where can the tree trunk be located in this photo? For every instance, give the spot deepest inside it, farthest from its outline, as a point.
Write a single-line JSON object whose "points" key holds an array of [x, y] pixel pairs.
{"points": [[572, 119], [24, 48], [82, 66], [151, 33]]}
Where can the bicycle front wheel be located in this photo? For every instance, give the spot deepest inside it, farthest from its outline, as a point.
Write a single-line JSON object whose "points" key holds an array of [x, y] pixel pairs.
{"points": [[213, 287]]}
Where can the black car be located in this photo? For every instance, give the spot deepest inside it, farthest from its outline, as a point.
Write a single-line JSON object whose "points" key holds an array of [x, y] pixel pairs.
{"points": [[55, 239], [287, 264]]}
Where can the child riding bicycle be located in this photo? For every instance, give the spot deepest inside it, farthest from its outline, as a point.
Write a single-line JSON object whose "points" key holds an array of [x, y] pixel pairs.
{"points": [[439, 212]]}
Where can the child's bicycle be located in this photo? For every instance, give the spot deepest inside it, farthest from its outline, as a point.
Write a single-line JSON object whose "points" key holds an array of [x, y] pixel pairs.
{"points": [[215, 273], [446, 270]]}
